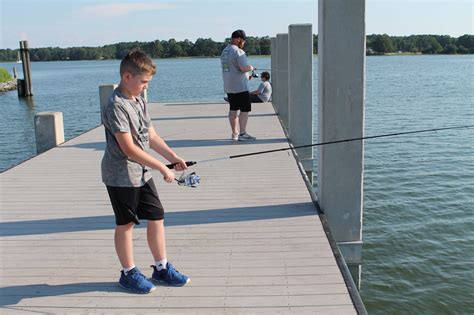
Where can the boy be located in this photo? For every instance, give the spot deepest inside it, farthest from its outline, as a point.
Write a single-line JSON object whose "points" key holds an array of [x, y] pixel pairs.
{"points": [[126, 173], [264, 91]]}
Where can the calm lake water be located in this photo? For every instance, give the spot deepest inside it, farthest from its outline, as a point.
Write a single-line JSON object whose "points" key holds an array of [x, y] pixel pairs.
{"points": [[418, 254]]}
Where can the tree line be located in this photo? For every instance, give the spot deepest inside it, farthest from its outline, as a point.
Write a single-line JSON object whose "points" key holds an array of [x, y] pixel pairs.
{"points": [[206, 47]]}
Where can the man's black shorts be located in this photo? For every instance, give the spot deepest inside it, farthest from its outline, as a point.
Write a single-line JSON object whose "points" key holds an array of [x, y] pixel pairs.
{"points": [[133, 203], [240, 101]]}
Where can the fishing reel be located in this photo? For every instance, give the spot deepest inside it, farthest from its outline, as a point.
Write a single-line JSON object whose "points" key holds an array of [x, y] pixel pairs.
{"points": [[189, 180], [253, 74]]}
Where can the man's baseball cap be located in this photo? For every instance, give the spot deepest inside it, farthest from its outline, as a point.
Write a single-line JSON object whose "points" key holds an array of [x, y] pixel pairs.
{"points": [[239, 34]]}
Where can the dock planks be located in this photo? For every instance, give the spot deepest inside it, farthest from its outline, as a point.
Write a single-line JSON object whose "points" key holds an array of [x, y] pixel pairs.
{"points": [[249, 236]]}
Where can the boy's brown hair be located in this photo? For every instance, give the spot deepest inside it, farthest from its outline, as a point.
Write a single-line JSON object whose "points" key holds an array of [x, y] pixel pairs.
{"points": [[137, 62], [265, 75]]}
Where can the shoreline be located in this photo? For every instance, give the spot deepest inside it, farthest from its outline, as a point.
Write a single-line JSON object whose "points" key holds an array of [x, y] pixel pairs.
{"points": [[8, 86], [249, 56]]}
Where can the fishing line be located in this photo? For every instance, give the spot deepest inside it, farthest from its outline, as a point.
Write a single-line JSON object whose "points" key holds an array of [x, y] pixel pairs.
{"points": [[190, 163]]}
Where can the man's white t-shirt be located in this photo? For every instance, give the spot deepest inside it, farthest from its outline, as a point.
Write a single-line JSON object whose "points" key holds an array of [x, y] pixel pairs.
{"points": [[232, 58]]}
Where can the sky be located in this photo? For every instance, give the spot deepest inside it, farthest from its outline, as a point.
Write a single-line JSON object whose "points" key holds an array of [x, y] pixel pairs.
{"points": [[61, 23]]}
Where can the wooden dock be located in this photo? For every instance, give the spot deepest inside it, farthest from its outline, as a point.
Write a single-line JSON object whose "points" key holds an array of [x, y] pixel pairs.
{"points": [[249, 236]]}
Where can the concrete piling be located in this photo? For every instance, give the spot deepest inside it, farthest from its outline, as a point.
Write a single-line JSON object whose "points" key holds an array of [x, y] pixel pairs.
{"points": [[341, 62], [300, 91], [49, 130], [282, 70], [105, 90]]}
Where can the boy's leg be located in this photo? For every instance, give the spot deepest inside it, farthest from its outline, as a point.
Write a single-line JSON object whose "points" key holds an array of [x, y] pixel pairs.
{"points": [[156, 239], [163, 271], [255, 98], [151, 209], [124, 244], [124, 201]]}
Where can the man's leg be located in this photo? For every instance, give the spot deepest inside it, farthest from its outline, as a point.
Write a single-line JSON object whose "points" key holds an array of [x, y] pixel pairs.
{"points": [[155, 234], [243, 119], [234, 121], [124, 244]]}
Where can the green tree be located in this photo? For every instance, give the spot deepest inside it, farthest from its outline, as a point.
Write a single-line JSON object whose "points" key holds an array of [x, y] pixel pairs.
{"points": [[265, 45], [378, 44], [315, 44], [466, 44], [205, 47], [383, 44]]}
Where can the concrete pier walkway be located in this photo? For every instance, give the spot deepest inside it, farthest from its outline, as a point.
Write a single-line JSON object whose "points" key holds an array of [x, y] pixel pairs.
{"points": [[249, 236]]}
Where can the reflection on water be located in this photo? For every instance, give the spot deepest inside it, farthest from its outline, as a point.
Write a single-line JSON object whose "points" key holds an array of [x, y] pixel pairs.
{"points": [[28, 101]]}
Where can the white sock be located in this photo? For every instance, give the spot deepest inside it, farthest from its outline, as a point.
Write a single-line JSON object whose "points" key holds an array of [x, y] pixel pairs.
{"points": [[161, 264], [126, 270]]}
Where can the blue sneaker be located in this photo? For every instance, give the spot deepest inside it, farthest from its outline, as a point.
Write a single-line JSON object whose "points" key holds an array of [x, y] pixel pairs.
{"points": [[169, 276], [136, 282]]}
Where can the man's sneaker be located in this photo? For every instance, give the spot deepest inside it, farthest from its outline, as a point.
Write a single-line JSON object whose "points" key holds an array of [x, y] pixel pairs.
{"points": [[136, 282], [169, 276], [246, 137], [234, 137]]}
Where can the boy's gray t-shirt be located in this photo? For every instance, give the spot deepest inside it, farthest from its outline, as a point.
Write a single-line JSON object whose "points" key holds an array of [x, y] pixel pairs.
{"points": [[125, 115], [235, 81], [265, 90]]}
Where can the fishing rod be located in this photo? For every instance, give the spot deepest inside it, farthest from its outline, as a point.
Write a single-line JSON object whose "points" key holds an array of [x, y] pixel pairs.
{"points": [[255, 75], [191, 163]]}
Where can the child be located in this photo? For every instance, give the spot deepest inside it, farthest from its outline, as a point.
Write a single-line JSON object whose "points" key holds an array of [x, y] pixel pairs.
{"points": [[126, 173], [264, 91]]}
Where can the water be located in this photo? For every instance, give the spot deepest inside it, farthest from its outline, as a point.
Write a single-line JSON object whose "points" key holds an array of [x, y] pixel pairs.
{"points": [[418, 256]]}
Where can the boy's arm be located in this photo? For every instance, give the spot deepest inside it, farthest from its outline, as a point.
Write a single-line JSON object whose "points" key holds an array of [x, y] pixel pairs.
{"points": [[160, 146], [134, 152], [259, 90]]}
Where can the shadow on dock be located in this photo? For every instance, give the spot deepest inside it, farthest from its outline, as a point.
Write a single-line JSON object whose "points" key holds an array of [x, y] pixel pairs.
{"points": [[80, 224], [206, 117], [185, 143], [10, 296]]}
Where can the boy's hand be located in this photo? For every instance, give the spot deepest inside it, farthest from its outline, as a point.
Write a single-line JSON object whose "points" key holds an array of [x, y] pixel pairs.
{"points": [[180, 164], [168, 175]]}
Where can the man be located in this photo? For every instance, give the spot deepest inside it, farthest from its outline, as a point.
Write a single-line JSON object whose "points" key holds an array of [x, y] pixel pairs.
{"points": [[235, 76]]}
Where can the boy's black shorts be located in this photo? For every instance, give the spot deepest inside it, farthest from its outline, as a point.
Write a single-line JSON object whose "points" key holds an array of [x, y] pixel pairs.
{"points": [[133, 203], [240, 101]]}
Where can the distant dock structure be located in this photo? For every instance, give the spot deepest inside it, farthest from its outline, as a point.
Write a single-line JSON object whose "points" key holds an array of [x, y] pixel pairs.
{"points": [[25, 86]]}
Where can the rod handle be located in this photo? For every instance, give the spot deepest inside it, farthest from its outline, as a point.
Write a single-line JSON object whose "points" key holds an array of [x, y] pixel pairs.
{"points": [[188, 163]]}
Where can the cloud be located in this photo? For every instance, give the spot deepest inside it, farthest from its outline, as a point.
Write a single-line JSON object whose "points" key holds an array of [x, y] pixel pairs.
{"points": [[121, 9]]}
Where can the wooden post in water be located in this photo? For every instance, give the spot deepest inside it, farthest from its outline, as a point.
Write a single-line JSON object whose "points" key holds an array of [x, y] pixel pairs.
{"points": [[24, 86], [14, 73]]}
